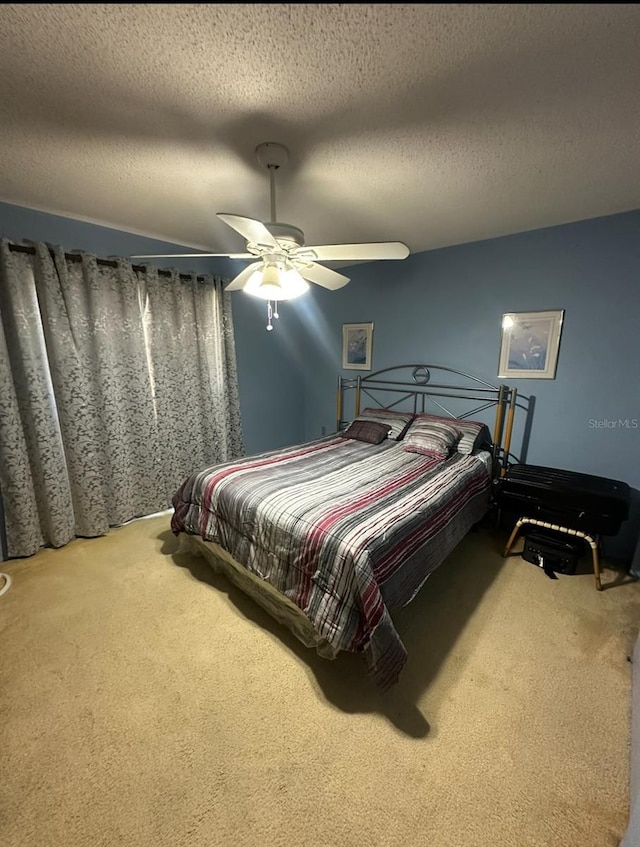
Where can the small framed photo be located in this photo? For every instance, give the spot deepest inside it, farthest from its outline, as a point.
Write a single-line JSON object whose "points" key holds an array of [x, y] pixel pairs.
{"points": [[357, 342], [530, 344]]}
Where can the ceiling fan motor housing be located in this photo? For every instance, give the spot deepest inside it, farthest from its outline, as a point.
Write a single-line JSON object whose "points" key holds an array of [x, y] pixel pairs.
{"points": [[286, 232]]}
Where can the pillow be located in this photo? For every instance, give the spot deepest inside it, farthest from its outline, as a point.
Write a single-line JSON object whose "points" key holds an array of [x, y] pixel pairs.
{"points": [[432, 438], [475, 435], [398, 422], [373, 432]]}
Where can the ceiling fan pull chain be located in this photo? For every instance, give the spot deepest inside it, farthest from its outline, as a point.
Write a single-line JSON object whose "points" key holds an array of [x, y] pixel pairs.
{"points": [[275, 309], [269, 314]]}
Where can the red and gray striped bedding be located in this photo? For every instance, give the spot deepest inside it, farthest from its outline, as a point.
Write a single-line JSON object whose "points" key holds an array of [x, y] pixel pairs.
{"points": [[345, 529]]}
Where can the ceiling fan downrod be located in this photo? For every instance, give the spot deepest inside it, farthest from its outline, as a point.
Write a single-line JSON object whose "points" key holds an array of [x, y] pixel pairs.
{"points": [[272, 156], [272, 182]]}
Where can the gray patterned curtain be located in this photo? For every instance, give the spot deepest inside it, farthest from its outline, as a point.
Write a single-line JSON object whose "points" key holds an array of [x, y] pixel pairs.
{"points": [[114, 386]]}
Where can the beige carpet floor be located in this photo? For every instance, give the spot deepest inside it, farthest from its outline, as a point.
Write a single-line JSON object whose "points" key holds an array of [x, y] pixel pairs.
{"points": [[146, 701]]}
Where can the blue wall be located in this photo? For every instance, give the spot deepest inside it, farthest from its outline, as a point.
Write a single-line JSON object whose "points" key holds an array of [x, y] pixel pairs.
{"points": [[445, 307], [268, 373]]}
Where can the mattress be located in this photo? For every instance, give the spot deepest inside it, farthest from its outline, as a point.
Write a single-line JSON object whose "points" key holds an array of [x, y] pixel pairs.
{"points": [[346, 531]]}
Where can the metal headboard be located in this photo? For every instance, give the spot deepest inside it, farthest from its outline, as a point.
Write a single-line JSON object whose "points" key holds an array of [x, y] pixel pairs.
{"points": [[412, 386]]}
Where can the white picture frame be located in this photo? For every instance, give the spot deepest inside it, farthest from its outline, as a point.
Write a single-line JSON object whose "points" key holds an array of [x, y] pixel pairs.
{"points": [[357, 346], [530, 344]]}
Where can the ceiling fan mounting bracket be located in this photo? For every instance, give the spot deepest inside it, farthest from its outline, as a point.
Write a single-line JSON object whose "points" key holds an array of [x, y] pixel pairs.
{"points": [[272, 155]]}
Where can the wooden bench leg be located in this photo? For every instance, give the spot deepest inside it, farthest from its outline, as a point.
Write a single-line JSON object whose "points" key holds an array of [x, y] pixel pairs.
{"points": [[512, 538], [596, 564]]}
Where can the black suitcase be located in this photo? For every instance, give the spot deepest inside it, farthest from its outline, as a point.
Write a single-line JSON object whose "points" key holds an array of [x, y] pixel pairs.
{"points": [[592, 504], [553, 552]]}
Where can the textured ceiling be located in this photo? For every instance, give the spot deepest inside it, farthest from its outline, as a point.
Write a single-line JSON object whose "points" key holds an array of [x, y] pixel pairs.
{"points": [[431, 124]]}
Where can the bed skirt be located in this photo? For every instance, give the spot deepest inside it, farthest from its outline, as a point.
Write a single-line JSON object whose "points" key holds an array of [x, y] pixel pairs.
{"points": [[261, 592]]}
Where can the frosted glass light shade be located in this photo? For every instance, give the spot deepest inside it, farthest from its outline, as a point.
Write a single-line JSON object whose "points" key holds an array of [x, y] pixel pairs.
{"points": [[275, 284]]}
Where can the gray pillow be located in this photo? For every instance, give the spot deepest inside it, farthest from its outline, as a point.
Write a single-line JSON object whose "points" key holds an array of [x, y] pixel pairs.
{"points": [[397, 421], [431, 438], [475, 435]]}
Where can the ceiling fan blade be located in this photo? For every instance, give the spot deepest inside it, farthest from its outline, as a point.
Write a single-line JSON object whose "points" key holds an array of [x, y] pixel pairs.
{"points": [[357, 252], [255, 232], [243, 277], [195, 255], [322, 276]]}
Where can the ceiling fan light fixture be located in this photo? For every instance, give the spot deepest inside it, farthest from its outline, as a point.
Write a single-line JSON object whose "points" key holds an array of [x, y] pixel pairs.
{"points": [[274, 283]]}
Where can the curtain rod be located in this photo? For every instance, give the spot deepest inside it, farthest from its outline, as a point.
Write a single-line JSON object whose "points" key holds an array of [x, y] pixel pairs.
{"points": [[109, 263]]}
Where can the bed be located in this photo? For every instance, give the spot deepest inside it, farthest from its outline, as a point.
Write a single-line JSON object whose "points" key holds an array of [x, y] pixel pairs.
{"points": [[331, 535]]}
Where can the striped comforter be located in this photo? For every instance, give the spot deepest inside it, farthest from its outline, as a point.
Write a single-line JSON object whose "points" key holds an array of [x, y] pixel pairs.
{"points": [[346, 530]]}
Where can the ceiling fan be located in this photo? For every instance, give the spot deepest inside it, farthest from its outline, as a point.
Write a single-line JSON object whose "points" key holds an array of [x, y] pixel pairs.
{"points": [[286, 264]]}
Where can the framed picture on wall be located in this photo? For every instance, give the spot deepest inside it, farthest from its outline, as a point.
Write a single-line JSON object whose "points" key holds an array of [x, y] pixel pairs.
{"points": [[357, 342], [530, 344]]}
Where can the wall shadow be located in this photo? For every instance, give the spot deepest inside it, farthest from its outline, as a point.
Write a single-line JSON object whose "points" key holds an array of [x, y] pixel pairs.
{"points": [[621, 548], [429, 627]]}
